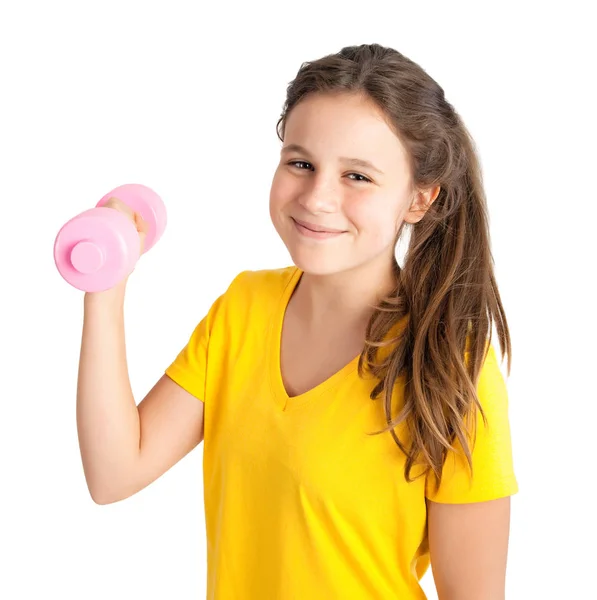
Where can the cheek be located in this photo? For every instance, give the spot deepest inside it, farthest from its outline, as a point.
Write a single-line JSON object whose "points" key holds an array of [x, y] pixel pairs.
{"points": [[374, 218], [281, 189], [279, 197]]}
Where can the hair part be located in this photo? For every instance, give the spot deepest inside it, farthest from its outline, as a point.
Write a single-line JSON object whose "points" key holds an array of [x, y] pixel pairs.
{"points": [[446, 299]]}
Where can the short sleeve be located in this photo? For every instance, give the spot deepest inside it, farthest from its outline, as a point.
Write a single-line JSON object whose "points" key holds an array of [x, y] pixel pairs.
{"points": [[189, 368], [493, 470]]}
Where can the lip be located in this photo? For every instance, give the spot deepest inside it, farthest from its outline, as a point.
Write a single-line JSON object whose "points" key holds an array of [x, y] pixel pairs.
{"points": [[305, 232], [316, 228]]}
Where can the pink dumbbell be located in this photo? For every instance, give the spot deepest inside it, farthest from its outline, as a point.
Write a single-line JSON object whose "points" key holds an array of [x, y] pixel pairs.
{"points": [[100, 247]]}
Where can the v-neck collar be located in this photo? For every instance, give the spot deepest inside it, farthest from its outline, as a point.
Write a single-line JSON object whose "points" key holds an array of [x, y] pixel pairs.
{"points": [[281, 398]]}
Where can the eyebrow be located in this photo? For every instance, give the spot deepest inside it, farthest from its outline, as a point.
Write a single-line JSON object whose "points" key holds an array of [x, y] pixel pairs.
{"points": [[359, 162]]}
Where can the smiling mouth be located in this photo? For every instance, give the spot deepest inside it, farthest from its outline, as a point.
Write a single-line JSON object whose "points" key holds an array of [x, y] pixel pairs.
{"points": [[316, 229], [316, 235]]}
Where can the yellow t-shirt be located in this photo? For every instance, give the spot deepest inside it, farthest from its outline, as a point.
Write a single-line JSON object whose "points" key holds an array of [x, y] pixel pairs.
{"points": [[300, 503]]}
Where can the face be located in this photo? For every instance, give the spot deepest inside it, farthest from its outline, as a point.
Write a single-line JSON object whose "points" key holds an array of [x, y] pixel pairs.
{"points": [[341, 167]]}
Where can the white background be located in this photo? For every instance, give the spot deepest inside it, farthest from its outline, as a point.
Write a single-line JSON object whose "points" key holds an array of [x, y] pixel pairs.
{"points": [[184, 97]]}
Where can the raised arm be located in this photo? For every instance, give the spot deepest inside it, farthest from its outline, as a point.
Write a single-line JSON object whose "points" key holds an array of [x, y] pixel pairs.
{"points": [[124, 447]]}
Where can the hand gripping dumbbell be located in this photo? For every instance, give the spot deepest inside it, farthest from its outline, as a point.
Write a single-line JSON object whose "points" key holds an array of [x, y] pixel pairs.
{"points": [[99, 247]]}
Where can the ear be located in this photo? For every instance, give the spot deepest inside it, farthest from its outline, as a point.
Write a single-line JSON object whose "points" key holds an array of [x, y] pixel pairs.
{"points": [[420, 205]]}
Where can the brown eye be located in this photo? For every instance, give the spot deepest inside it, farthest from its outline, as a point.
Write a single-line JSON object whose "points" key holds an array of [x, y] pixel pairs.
{"points": [[298, 162], [362, 179]]}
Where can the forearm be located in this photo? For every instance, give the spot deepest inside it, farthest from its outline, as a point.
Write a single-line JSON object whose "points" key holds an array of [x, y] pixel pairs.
{"points": [[107, 415]]}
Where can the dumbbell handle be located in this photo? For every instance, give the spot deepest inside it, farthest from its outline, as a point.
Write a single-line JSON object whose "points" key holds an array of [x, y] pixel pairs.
{"points": [[143, 200]]}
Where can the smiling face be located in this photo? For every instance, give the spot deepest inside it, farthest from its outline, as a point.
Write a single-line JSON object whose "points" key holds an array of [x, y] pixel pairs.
{"points": [[341, 167]]}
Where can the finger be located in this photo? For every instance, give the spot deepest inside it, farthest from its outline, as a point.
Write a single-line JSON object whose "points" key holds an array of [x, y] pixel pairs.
{"points": [[142, 225]]}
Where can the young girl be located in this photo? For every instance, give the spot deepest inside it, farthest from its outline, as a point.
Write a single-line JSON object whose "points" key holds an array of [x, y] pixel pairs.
{"points": [[354, 414]]}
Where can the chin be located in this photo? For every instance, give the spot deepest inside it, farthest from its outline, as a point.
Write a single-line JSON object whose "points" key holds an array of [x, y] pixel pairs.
{"points": [[317, 265]]}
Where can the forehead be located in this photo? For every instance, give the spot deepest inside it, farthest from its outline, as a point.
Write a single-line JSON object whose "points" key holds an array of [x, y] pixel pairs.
{"points": [[343, 124]]}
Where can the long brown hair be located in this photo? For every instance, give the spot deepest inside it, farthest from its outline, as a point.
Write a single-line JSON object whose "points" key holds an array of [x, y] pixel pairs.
{"points": [[446, 293]]}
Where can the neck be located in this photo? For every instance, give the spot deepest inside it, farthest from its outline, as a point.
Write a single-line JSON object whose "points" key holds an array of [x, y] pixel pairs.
{"points": [[347, 298]]}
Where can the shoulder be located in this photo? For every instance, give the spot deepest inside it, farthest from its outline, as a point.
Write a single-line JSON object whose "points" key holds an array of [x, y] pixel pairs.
{"points": [[252, 292], [491, 386], [491, 380], [261, 284], [264, 278]]}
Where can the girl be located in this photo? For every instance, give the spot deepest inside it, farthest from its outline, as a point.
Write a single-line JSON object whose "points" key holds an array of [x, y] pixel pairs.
{"points": [[354, 414]]}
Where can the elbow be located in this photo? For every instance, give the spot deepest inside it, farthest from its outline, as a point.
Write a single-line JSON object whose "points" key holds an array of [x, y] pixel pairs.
{"points": [[102, 497], [101, 500]]}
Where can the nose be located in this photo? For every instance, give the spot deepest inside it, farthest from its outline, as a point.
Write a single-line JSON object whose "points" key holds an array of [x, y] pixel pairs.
{"points": [[320, 195]]}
